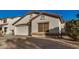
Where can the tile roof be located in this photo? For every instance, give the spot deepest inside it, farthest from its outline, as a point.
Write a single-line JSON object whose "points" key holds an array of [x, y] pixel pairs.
{"points": [[40, 13]]}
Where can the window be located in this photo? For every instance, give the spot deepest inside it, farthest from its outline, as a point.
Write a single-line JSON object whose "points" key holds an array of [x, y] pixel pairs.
{"points": [[42, 17], [5, 29], [0, 28], [5, 20], [43, 27]]}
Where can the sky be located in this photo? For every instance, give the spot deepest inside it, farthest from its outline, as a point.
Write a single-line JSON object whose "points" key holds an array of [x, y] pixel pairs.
{"points": [[65, 14]]}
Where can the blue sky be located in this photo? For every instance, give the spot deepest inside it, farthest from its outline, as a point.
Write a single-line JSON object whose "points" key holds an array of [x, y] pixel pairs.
{"points": [[65, 14]]}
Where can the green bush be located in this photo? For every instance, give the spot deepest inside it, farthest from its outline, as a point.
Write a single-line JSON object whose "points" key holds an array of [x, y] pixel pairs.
{"points": [[72, 29]]}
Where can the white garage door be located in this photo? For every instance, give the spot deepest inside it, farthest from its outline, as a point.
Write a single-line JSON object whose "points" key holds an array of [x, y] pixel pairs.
{"points": [[21, 30]]}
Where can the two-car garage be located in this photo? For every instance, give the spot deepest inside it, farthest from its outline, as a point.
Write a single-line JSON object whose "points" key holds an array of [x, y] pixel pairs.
{"points": [[21, 30]]}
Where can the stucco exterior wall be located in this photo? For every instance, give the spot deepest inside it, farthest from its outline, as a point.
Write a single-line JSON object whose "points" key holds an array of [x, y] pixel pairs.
{"points": [[26, 19], [54, 24]]}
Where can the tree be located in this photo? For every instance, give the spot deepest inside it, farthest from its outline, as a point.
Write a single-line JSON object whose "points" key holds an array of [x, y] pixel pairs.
{"points": [[77, 15], [72, 29]]}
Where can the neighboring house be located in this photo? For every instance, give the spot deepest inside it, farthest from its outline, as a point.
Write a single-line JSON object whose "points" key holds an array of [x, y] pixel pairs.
{"points": [[38, 24], [0, 27], [6, 25]]}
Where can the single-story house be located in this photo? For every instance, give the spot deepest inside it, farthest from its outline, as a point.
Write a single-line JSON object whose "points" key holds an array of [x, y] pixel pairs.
{"points": [[38, 24]]}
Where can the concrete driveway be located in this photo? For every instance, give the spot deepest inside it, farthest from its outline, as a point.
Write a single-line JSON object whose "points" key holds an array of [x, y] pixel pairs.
{"points": [[23, 42]]}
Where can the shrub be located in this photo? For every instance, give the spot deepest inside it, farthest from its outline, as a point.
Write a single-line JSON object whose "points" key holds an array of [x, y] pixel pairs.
{"points": [[72, 29]]}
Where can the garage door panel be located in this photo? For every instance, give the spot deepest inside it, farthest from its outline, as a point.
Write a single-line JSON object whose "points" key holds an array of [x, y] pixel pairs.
{"points": [[22, 30]]}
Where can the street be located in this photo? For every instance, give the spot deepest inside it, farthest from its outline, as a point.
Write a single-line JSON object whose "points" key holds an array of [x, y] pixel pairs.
{"points": [[37, 43]]}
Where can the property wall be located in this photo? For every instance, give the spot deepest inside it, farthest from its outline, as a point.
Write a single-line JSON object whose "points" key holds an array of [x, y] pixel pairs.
{"points": [[54, 24], [63, 27]]}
